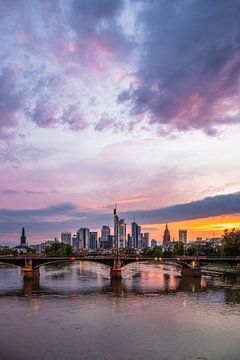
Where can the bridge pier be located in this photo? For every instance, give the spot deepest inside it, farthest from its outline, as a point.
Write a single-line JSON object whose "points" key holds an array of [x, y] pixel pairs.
{"points": [[191, 272], [31, 274], [116, 271]]}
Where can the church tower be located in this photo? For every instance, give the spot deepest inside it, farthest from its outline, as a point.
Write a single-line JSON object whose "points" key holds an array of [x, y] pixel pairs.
{"points": [[23, 239], [166, 235]]}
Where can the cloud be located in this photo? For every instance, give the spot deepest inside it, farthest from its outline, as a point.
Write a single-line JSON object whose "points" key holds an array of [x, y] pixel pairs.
{"points": [[67, 216], [210, 206], [10, 100], [179, 66], [96, 23], [9, 192], [188, 65]]}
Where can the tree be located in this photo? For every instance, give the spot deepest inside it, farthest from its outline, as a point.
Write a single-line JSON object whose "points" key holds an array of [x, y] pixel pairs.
{"points": [[59, 249], [230, 245], [178, 248], [6, 251]]}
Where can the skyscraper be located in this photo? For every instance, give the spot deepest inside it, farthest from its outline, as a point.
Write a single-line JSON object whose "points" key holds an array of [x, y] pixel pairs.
{"points": [[66, 238], [93, 240], [23, 238], [166, 235], [182, 235], [116, 225], [83, 238], [136, 235], [122, 233], [105, 237], [144, 240], [75, 242]]}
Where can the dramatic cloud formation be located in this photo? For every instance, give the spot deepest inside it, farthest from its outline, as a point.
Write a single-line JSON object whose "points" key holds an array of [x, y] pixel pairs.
{"points": [[59, 217], [189, 69], [105, 101], [166, 65]]}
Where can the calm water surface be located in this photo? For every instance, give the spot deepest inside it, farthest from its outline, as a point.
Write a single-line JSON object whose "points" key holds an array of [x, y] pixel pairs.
{"points": [[77, 312]]}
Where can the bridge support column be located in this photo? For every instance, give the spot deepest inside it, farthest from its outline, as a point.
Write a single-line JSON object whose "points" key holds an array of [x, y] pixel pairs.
{"points": [[191, 272], [31, 274], [116, 271]]}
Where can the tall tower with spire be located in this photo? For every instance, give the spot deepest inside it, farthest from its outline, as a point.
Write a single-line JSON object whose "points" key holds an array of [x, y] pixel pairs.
{"points": [[23, 238], [166, 235], [116, 227]]}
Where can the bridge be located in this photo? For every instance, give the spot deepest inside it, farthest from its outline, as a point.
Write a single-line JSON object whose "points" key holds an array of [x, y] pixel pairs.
{"points": [[190, 265]]}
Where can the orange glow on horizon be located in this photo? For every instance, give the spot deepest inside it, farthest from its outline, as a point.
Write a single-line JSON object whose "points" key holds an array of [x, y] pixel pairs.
{"points": [[204, 227]]}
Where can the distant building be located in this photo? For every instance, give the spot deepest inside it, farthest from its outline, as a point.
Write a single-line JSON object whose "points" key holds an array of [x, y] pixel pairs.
{"points": [[83, 238], [104, 240], [116, 226], [144, 240], [75, 243], [93, 240], [66, 238], [111, 241], [122, 233], [182, 235], [153, 243], [136, 235], [119, 231], [129, 241], [23, 238], [166, 235]]}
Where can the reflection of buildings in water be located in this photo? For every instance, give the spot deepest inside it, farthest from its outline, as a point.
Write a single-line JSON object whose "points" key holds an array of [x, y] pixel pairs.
{"points": [[190, 284], [232, 294], [93, 269]]}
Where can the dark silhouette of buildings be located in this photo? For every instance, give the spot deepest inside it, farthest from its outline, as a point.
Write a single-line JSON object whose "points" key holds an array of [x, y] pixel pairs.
{"points": [[166, 235], [23, 238]]}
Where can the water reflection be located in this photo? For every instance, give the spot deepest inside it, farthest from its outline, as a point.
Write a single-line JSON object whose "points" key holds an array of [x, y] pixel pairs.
{"points": [[79, 279], [76, 311]]}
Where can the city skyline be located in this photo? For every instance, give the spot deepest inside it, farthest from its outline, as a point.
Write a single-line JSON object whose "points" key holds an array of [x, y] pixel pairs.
{"points": [[209, 230], [104, 102]]}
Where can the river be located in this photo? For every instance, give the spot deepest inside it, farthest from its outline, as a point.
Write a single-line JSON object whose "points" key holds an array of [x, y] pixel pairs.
{"points": [[77, 312]]}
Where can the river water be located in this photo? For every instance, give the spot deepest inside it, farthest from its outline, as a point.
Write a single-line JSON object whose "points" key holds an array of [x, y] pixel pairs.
{"points": [[77, 312]]}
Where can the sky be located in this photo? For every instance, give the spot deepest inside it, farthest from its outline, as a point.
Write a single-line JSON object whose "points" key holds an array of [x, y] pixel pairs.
{"points": [[134, 102]]}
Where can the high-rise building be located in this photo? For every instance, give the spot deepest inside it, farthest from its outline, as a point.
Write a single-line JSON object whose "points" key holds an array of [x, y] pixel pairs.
{"points": [[111, 241], [75, 244], [104, 240], [182, 235], [93, 240], [166, 235], [83, 238], [136, 235], [66, 238], [129, 242], [153, 243], [122, 233], [144, 240], [23, 238], [116, 226]]}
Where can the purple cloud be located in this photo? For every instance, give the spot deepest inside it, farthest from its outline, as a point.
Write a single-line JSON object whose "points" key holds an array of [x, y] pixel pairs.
{"points": [[64, 216], [189, 66]]}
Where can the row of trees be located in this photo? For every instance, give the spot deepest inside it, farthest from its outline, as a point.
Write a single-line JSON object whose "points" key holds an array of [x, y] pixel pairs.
{"points": [[231, 243]]}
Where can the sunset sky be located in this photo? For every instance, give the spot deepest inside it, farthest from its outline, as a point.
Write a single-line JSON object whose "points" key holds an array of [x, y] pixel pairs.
{"points": [[134, 102]]}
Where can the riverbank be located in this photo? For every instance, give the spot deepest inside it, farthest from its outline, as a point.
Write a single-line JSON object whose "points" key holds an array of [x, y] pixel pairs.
{"points": [[220, 269]]}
